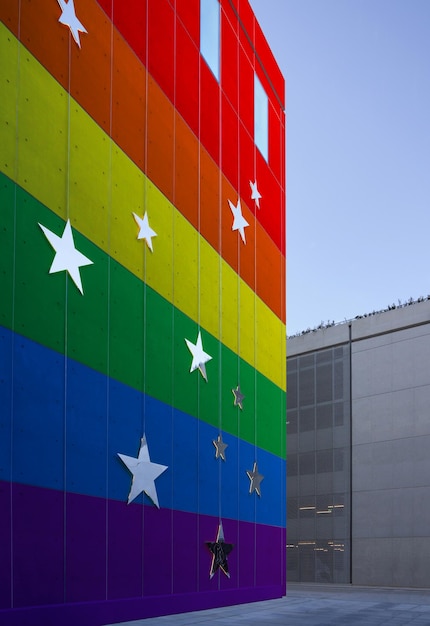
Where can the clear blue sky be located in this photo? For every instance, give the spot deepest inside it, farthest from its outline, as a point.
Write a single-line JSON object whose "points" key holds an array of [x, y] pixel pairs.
{"points": [[358, 152]]}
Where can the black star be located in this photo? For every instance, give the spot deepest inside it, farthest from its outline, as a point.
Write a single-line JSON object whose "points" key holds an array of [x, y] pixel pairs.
{"points": [[219, 550]]}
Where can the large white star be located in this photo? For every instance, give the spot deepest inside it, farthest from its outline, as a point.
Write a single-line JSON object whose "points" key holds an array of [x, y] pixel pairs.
{"points": [[68, 18], [200, 357], [255, 194], [144, 473], [66, 258], [145, 231], [239, 222]]}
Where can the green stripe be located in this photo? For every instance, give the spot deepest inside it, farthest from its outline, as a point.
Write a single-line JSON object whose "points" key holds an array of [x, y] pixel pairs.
{"points": [[123, 328], [7, 202]]}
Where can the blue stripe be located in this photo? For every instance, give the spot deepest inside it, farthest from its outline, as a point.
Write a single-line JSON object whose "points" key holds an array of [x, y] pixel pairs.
{"points": [[6, 348], [60, 404]]}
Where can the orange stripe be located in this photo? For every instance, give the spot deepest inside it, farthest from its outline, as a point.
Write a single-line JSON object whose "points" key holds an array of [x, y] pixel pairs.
{"points": [[186, 193], [9, 10], [90, 84], [128, 118], [160, 141]]}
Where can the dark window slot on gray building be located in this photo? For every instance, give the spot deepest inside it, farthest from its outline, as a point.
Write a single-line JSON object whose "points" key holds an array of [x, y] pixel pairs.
{"points": [[318, 473]]}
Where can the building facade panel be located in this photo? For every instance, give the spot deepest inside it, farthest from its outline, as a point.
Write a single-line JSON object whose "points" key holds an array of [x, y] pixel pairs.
{"points": [[386, 463], [134, 342], [93, 184], [318, 489], [389, 371], [159, 153]]}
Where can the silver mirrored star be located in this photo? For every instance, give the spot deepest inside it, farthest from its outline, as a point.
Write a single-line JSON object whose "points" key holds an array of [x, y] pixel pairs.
{"points": [[200, 357], [238, 397], [145, 231], [68, 18], [220, 550], [255, 195], [144, 473], [220, 447], [66, 258], [255, 479], [239, 222]]}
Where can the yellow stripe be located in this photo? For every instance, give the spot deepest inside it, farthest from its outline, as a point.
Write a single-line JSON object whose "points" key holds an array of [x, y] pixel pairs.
{"points": [[101, 207], [8, 50]]}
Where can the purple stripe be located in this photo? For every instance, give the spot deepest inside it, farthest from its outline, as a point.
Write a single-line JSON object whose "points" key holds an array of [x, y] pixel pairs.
{"points": [[37, 545], [125, 563], [86, 555], [246, 557], [269, 557], [157, 551], [5, 545], [102, 561], [184, 569]]}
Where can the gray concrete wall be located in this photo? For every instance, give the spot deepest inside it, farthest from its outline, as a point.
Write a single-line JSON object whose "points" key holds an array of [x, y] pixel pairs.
{"points": [[391, 449]]}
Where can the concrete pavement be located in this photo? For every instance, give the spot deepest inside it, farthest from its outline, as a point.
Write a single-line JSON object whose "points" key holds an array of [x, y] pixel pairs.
{"points": [[316, 605]]}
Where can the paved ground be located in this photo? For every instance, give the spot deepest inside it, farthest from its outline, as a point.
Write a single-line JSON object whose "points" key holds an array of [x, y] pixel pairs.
{"points": [[316, 605]]}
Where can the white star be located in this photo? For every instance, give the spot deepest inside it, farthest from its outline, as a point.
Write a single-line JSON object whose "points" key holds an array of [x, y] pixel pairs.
{"points": [[220, 447], [255, 479], [144, 473], [200, 357], [255, 195], [239, 222], [145, 231], [66, 258], [68, 18]]}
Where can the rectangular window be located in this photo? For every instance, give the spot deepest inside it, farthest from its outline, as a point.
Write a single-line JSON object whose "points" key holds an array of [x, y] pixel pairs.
{"points": [[210, 18], [261, 118]]}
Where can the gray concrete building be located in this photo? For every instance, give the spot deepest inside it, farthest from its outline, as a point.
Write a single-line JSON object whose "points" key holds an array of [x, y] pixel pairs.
{"points": [[358, 424]]}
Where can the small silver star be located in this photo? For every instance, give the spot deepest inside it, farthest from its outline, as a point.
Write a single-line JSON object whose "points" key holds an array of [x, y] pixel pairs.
{"points": [[220, 447], [68, 18], [238, 397], [145, 231], [255, 479], [255, 195], [239, 222]]}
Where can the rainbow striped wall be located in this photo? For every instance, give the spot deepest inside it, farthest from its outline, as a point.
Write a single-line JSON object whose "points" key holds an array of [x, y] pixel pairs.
{"points": [[132, 120]]}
